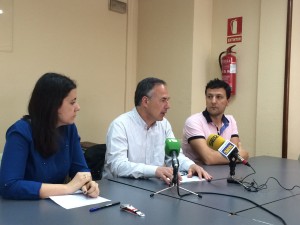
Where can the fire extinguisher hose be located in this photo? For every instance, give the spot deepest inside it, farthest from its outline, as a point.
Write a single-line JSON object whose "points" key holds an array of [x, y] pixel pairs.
{"points": [[220, 63]]}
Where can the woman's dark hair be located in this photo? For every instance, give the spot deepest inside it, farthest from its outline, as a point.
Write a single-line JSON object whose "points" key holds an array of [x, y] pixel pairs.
{"points": [[144, 87], [217, 83], [46, 98]]}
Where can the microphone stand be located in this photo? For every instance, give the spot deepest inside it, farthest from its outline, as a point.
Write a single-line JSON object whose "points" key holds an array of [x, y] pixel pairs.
{"points": [[232, 165], [175, 183]]}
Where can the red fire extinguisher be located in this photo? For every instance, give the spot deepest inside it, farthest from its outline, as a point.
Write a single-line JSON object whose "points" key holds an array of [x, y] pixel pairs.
{"points": [[228, 68]]}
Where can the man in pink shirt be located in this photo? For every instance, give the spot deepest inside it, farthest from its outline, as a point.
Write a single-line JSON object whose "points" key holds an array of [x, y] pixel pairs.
{"points": [[212, 120]]}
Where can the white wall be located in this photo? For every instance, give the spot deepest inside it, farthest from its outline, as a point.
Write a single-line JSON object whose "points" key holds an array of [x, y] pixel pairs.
{"points": [[131, 53], [257, 106], [202, 44], [81, 39], [243, 104], [294, 109], [270, 85], [165, 50], [258, 103], [178, 41]]}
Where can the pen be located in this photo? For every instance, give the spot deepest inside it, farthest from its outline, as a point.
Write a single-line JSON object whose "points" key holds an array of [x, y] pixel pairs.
{"points": [[105, 206]]}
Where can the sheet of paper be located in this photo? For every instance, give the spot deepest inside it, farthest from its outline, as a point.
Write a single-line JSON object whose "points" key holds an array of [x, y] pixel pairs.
{"points": [[186, 179], [76, 200]]}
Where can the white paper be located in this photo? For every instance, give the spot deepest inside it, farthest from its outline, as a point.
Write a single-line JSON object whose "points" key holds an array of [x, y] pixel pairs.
{"points": [[186, 179], [76, 200]]}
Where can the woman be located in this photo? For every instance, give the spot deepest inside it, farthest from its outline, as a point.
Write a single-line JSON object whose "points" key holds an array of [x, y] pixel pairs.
{"points": [[43, 148]]}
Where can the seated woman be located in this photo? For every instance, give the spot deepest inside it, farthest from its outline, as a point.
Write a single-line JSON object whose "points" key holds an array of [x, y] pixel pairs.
{"points": [[43, 148]]}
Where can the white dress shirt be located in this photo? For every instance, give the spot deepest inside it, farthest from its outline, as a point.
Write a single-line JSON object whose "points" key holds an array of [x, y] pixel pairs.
{"points": [[134, 150]]}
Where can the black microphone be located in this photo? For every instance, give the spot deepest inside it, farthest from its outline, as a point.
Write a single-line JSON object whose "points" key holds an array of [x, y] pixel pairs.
{"points": [[172, 148], [225, 147]]}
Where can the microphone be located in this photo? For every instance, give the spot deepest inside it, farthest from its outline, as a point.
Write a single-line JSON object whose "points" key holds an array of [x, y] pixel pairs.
{"points": [[225, 147], [172, 148]]}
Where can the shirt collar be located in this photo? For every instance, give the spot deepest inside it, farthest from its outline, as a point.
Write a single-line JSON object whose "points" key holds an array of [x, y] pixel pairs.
{"points": [[209, 120], [140, 119], [225, 121]]}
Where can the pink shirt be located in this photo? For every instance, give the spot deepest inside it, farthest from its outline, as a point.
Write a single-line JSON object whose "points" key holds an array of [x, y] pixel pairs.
{"points": [[200, 125]]}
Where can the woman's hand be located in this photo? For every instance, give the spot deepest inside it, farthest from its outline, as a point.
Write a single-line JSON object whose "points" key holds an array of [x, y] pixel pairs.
{"points": [[80, 179], [91, 189]]}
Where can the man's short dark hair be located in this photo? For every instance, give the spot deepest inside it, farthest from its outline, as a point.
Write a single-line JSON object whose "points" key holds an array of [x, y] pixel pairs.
{"points": [[144, 87], [217, 83]]}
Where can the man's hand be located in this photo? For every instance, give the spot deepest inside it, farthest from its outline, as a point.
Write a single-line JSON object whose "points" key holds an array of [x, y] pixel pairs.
{"points": [[195, 169], [164, 173]]}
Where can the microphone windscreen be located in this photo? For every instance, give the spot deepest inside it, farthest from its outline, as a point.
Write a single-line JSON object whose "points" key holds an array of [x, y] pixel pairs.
{"points": [[172, 144], [215, 141]]}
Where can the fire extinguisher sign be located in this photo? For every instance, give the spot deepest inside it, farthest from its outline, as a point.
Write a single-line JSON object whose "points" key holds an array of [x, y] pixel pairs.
{"points": [[234, 29]]}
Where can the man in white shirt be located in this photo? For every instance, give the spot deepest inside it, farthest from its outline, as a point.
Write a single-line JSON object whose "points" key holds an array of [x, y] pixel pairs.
{"points": [[136, 139]]}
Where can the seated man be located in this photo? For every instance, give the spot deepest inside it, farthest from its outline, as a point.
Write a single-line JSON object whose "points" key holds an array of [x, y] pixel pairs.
{"points": [[199, 126], [136, 139]]}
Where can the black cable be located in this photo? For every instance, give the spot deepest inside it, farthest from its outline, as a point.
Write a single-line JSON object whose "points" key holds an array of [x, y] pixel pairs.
{"points": [[254, 187], [178, 192], [260, 206]]}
